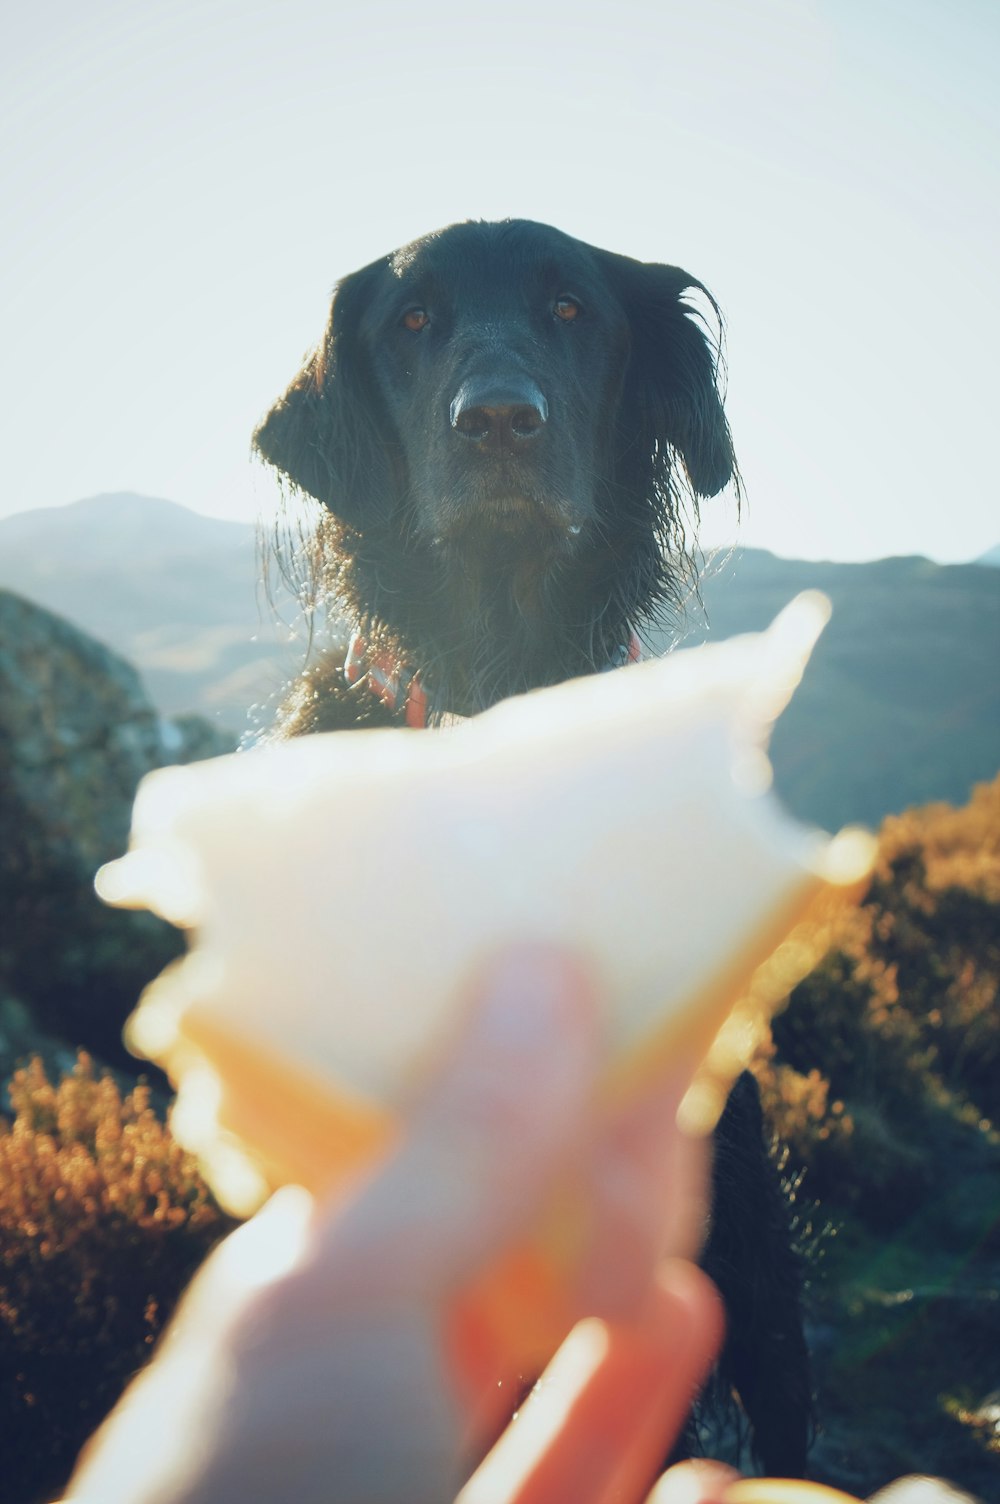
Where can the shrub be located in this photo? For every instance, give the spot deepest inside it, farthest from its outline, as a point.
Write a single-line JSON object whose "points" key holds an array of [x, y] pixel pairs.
{"points": [[882, 1077], [800, 1110], [103, 1220], [891, 1045]]}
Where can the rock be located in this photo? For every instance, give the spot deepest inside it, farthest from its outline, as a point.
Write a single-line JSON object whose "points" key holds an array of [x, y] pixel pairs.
{"points": [[77, 732], [190, 738], [21, 1038]]}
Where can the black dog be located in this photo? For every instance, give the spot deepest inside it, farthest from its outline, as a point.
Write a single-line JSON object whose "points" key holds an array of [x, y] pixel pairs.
{"points": [[507, 427]]}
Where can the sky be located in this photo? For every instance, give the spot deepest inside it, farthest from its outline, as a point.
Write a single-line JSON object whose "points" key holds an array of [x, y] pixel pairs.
{"points": [[182, 184]]}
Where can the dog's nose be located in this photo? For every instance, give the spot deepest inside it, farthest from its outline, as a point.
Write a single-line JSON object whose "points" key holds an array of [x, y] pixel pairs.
{"points": [[495, 412]]}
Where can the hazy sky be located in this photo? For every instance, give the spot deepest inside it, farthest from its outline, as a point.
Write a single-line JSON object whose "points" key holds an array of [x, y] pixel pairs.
{"points": [[182, 183]]}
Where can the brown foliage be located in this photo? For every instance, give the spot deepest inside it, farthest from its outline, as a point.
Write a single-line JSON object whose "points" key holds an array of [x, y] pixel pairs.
{"points": [[103, 1219], [883, 1081], [898, 1029]]}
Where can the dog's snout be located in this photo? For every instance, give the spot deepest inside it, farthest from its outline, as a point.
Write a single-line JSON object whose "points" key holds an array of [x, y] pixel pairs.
{"points": [[494, 412]]}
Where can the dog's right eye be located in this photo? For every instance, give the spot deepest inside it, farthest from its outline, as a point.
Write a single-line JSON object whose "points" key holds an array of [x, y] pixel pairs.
{"points": [[566, 308], [416, 319]]}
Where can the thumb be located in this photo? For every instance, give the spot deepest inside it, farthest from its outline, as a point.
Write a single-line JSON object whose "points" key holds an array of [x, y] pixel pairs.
{"points": [[504, 1115]]}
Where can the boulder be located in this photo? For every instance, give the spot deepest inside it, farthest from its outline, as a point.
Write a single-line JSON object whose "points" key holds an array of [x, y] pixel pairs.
{"points": [[77, 732]]}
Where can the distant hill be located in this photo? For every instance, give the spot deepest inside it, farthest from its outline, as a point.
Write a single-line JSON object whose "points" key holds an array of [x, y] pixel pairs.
{"points": [[901, 704], [171, 590], [117, 530], [991, 557]]}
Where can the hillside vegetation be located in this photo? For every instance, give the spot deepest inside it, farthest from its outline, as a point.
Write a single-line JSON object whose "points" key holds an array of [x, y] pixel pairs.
{"points": [[881, 1081]]}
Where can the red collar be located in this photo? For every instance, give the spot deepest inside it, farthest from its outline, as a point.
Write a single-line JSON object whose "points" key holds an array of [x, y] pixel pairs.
{"points": [[393, 685], [386, 680]]}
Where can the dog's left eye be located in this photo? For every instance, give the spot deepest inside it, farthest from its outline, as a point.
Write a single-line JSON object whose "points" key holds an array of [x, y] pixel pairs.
{"points": [[416, 319], [566, 309]]}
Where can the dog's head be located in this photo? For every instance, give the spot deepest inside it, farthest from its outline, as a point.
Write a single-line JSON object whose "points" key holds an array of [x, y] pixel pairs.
{"points": [[500, 386]]}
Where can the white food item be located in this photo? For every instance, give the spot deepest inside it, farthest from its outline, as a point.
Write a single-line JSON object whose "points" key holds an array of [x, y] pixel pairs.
{"points": [[343, 890]]}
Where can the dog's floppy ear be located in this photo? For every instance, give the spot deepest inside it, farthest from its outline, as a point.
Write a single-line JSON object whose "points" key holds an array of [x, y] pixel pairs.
{"points": [[674, 373], [325, 434]]}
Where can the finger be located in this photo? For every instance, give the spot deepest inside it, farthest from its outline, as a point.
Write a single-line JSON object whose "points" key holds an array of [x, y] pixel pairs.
{"points": [[699, 1481], [670, 1166], [649, 1194], [803, 1491], [919, 1489], [259, 1253], [596, 1427], [484, 1146]]}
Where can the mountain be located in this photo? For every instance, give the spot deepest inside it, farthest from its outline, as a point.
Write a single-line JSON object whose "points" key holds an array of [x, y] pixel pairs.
{"points": [[116, 530], [174, 592], [901, 704], [991, 557]]}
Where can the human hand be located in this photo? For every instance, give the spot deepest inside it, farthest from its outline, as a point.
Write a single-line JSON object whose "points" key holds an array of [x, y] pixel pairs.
{"points": [[314, 1357], [596, 1426]]}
